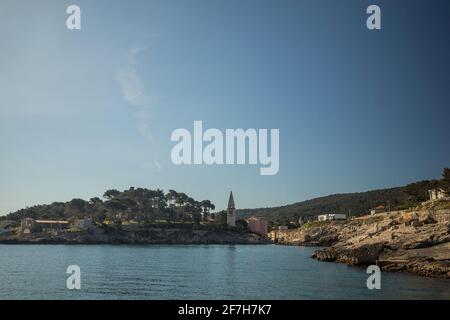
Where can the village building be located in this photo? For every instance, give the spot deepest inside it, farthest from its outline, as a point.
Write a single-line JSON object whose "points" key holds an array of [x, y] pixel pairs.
{"points": [[30, 225], [332, 216], [272, 235], [257, 225], [231, 211], [438, 194], [378, 209]]}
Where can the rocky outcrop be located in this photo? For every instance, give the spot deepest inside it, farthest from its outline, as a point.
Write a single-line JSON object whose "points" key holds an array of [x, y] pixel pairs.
{"points": [[410, 241]]}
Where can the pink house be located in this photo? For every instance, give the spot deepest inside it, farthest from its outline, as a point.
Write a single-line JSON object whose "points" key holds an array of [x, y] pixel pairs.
{"points": [[257, 225]]}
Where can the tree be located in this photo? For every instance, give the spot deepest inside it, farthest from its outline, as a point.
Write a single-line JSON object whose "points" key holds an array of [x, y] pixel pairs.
{"points": [[446, 174], [182, 202], [159, 202], [171, 198], [100, 216], [115, 205], [95, 201], [221, 217], [206, 206], [197, 217], [171, 202], [111, 194], [78, 204], [241, 225], [446, 178], [139, 203]]}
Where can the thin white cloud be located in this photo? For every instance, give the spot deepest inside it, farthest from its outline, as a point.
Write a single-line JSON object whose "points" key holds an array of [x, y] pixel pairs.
{"points": [[136, 97], [154, 165], [133, 91], [132, 87]]}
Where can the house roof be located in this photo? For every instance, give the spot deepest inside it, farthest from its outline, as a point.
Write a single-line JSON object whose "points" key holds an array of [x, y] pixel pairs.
{"points": [[254, 218], [437, 189], [52, 221]]}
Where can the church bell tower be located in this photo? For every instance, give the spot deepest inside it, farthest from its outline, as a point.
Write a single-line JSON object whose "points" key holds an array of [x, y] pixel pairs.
{"points": [[231, 211]]}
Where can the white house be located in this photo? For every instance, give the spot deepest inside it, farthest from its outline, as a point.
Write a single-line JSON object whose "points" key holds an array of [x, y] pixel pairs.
{"points": [[438, 194], [332, 216], [378, 209]]}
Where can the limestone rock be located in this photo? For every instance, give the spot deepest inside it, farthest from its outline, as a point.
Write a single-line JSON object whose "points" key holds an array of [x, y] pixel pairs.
{"points": [[417, 242]]}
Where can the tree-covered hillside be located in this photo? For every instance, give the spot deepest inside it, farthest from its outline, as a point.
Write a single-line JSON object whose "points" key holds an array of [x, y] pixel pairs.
{"points": [[139, 204], [355, 204]]}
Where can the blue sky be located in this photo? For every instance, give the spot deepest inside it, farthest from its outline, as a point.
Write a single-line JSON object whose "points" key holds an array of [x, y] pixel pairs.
{"points": [[86, 111]]}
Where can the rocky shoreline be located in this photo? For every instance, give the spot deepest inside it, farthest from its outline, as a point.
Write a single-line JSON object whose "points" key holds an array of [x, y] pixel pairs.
{"points": [[136, 236], [416, 241]]}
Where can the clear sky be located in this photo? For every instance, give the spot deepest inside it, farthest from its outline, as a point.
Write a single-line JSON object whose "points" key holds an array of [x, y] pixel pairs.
{"points": [[90, 110]]}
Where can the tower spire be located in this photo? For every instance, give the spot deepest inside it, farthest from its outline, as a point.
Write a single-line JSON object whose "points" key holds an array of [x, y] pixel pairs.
{"points": [[231, 211], [231, 201]]}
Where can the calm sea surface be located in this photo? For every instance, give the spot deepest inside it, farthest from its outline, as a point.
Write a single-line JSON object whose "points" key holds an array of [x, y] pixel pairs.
{"points": [[195, 272]]}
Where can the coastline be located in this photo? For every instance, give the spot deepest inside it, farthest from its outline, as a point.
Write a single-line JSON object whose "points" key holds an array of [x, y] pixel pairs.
{"points": [[167, 236], [414, 241]]}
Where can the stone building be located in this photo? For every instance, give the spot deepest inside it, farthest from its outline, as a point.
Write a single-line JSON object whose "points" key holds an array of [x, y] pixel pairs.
{"points": [[332, 216], [378, 209], [438, 194], [29, 225]]}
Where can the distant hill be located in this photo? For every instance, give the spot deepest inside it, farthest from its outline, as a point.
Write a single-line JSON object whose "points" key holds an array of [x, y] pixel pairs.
{"points": [[356, 204]]}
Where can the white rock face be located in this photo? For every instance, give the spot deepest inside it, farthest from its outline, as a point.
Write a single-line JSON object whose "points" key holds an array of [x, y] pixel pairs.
{"points": [[412, 241]]}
